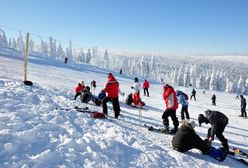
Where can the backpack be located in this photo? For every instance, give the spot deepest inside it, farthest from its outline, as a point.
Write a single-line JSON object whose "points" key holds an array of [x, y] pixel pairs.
{"points": [[97, 115], [186, 96]]}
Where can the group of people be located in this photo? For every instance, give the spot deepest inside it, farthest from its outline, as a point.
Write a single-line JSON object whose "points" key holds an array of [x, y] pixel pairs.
{"points": [[185, 138]]}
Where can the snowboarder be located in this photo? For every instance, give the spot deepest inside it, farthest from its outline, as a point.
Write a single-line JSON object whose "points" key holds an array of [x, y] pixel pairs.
{"points": [[112, 90], [66, 60], [169, 95], [80, 87], [183, 100], [243, 106], [136, 95], [218, 123], [186, 139], [213, 100], [145, 87], [193, 93]]}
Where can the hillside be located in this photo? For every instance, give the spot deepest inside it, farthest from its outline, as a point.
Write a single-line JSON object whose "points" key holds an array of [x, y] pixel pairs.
{"points": [[34, 132]]}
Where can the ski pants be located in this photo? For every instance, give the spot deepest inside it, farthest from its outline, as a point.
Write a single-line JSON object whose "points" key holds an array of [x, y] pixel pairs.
{"points": [[219, 131], [116, 106], [146, 92], [170, 113], [193, 95], [184, 110], [136, 98], [243, 111], [77, 94]]}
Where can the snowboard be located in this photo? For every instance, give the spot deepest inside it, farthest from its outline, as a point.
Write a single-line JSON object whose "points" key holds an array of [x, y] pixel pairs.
{"points": [[239, 155], [158, 130]]}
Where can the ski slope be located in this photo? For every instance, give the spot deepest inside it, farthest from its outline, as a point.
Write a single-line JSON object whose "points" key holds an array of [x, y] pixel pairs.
{"points": [[35, 133]]}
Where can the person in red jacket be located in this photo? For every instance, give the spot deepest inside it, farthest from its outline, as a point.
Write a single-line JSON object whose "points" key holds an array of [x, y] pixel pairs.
{"points": [[145, 87], [170, 97], [112, 90], [80, 87]]}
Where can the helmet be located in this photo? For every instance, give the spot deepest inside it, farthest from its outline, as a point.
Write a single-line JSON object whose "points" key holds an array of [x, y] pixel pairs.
{"points": [[201, 119]]}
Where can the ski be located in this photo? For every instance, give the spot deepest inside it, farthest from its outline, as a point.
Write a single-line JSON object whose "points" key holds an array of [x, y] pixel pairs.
{"points": [[238, 155], [158, 130]]}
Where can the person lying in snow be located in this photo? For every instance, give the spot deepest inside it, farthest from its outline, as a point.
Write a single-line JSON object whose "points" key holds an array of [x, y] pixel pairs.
{"points": [[129, 101]]}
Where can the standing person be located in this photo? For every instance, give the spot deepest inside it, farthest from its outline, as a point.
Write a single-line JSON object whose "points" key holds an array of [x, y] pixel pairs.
{"points": [[193, 94], [66, 60], [112, 90], [78, 90], [136, 95], [243, 106], [213, 100], [183, 100], [218, 123], [121, 71], [145, 87], [169, 95]]}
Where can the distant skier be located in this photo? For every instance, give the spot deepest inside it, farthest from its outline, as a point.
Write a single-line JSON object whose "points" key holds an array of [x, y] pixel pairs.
{"points": [[121, 71], [193, 93], [183, 100], [145, 87], [237, 97], [186, 139], [203, 91], [136, 95], [66, 60], [218, 123], [243, 106], [112, 90], [170, 97], [80, 87], [213, 100]]}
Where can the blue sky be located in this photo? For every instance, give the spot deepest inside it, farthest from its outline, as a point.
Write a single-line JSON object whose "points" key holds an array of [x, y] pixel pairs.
{"points": [[184, 26]]}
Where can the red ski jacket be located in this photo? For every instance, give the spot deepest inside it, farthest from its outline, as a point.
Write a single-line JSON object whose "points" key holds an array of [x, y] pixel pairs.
{"points": [[112, 87], [79, 88], [146, 84], [170, 98]]}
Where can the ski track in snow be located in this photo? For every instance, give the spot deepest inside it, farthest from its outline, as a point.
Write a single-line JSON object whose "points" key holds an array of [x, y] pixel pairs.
{"points": [[34, 132]]}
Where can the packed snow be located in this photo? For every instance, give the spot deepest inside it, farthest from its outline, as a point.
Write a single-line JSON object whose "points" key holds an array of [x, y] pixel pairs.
{"points": [[36, 131]]}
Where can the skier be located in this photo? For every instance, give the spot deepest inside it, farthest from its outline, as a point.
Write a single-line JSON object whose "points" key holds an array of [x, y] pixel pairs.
{"points": [[136, 95], [243, 106], [213, 100], [169, 95], [121, 71], [112, 89], [80, 87], [186, 139], [218, 123], [183, 100], [66, 60], [145, 87], [193, 94]]}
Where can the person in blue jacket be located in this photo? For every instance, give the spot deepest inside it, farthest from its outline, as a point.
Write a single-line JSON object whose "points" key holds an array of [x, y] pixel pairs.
{"points": [[182, 99]]}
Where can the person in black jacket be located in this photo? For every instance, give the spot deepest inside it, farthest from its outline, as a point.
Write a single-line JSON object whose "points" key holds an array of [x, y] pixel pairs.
{"points": [[193, 93], [186, 139], [243, 106], [213, 100], [218, 123]]}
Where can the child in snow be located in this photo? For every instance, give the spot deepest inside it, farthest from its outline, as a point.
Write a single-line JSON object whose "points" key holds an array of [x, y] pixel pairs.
{"points": [[183, 100]]}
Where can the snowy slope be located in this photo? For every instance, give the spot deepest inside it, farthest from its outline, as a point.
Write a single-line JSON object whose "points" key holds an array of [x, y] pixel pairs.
{"points": [[34, 133]]}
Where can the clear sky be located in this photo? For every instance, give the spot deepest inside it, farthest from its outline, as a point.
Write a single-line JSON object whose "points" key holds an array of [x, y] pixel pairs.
{"points": [[185, 26]]}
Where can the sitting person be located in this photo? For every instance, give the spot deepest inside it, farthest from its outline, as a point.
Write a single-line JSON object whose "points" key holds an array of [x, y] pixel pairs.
{"points": [[86, 95], [186, 139], [80, 87], [98, 99], [129, 99]]}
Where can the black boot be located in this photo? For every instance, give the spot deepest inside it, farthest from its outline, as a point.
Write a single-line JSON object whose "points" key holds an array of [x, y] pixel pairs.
{"points": [[225, 146]]}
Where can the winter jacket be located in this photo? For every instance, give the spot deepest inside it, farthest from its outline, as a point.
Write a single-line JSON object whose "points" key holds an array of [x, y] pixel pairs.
{"points": [[182, 99], [170, 98], [112, 87], [243, 102], [186, 139], [79, 88], [136, 87], [146, 84], [86, 96], [213, 98], [215, 118]]}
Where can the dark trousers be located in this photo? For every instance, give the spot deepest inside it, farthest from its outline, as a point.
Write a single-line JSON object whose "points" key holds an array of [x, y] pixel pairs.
{"points": [[184, 110], [213, 102], [243, 112], [116, 106], [146, 92], [77, 94], [219, 132], [193, 95], [172, 114]]}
